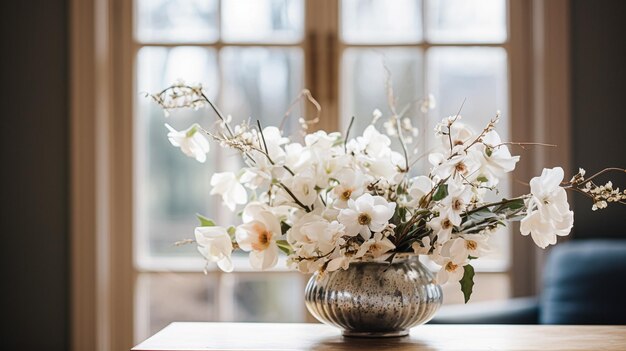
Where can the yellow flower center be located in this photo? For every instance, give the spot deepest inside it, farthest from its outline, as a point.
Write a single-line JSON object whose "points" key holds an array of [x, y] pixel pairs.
{"points": [[263, 239], [471, 245], [451, 267], [345, 195], [446, 224], [457, 204], [364, 219], [461, 168]]}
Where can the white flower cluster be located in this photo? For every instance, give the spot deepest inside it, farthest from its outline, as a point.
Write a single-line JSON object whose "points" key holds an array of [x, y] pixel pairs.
{"points": [[327, 201], [180, 95]]}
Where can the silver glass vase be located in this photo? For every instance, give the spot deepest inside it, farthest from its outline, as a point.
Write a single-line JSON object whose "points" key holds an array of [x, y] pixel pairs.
{"points": [[375, 299]]}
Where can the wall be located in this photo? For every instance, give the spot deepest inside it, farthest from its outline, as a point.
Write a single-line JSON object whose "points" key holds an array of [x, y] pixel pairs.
{"points": [[599, 106], [34, 175]]}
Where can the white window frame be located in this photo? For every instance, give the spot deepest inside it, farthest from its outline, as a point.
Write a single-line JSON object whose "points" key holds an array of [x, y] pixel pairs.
{"points": [[101, 59]]}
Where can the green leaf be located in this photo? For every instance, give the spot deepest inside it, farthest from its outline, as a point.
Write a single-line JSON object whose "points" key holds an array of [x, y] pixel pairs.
{"points": [[284, 246], [231, 232], [482, 179], [467, 282], [284, 227], [204, 221], [489, 151], [513, 205], [441, 193]]}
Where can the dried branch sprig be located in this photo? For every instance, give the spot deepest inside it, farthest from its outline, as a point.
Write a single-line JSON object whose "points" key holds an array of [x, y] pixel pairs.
{"points": [[305, 94], [391, 101], [490, 126], [181, 95], [601, 195]]}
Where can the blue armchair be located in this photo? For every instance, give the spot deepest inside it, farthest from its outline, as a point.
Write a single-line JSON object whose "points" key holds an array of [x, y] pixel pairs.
{"points": [[584, 283]]}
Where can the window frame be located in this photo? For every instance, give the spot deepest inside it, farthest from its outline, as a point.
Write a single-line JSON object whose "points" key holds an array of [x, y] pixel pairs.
{"points": [[101, 129]]}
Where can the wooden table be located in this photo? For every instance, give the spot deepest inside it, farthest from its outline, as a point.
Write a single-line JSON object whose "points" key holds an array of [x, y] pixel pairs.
{"points": [[271, 336]]}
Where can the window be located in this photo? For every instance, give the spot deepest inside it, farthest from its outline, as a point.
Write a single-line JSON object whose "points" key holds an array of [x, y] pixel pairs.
{"points": [[253, 58]]}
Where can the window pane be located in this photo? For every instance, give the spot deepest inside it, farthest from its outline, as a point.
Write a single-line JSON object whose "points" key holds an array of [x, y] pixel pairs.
{"points": [[163, 298], [466, 21], [378, 21], [478, 76], [268, 21], [170, 187], [363, 87], [169, 21], [260, 83], [263, 297]]}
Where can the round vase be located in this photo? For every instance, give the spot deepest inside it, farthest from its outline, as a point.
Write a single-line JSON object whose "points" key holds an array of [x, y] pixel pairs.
{"points": [[375, 299]]}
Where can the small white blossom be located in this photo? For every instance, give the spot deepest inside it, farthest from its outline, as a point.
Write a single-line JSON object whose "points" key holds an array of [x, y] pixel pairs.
{"points": [[420, 186], [190, 141], [351, 185], [497, 159], [215, 245], [442, 228], [474, 245], [453, 205], [232, 192], [461, 164], [376, 246]]}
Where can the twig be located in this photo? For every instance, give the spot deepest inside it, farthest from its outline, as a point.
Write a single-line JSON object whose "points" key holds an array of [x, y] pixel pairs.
{"points": [[606, 170], [345, 141], [307, 94], [524, 144], [305, 207], [267, 153], [451, 123]]}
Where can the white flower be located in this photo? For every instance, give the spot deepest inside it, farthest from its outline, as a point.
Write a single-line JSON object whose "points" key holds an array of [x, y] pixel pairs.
{"points": [[429, 103], [351, 185], [422, 247], [365, 215], [341, 261], [313, 235], [497, 160], [215, 245], [376, 115], [258, 235], [302, 186], [190, 142], [451, 262], [273, 139], [297, 157], [328, 166], [460, 134], [420, 186], [372, 150], [451, 270], [453, 205], [548, 213], [372, 143], [442, 228], [376, 246], [464, 163], [226, 185], [465, 245], [321, 142], [306, 265], [256, 177]]}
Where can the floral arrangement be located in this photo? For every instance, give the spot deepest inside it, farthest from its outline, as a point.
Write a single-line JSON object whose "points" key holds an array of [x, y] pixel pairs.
{"points": [[333, 199]]}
